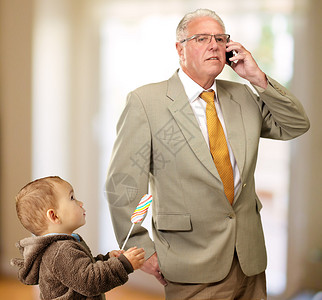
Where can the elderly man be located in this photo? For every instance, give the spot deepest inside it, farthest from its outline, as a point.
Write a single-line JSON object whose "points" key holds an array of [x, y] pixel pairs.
{"points": [[193, 140]]}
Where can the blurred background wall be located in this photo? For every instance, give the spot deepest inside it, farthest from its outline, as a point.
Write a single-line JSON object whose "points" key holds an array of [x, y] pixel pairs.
{"points": [[65, 69]]}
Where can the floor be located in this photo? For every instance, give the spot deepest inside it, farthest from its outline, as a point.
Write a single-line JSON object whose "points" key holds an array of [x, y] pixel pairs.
{"points": [[12, 289]]}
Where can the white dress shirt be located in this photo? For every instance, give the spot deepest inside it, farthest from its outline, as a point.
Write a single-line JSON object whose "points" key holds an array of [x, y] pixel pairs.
{"points": [[193, 91]]}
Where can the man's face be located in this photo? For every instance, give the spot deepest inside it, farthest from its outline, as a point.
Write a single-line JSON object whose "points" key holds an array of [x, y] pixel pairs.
{"points": [[202, 63]]}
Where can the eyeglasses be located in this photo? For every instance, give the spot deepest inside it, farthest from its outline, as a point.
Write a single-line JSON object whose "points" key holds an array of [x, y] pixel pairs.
{"points": [[221, 39]]}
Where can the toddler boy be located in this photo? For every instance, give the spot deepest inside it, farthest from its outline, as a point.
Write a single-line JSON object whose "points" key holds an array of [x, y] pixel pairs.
{"points": [[55, 257]]}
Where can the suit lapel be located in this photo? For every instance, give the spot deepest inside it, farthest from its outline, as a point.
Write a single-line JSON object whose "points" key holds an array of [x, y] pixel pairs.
{"points": [[184, 116]]}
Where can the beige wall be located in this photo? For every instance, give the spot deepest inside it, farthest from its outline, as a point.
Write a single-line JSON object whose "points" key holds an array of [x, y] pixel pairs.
{"points": [[71, 84], [16, 23], [15, 116]]}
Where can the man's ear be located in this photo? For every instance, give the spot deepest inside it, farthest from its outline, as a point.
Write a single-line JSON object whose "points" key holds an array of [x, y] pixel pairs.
{"points": [[51, 215], [179, 48]]}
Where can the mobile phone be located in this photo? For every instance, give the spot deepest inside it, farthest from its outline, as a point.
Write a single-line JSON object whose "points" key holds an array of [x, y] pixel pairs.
{"points": [[229, 55]]}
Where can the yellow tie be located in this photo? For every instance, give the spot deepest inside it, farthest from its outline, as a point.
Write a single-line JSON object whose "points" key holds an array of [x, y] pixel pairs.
{"points": [[218, 146]]}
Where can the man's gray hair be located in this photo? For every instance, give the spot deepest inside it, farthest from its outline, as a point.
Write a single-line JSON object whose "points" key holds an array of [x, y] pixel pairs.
{"points": [[183, 24]]}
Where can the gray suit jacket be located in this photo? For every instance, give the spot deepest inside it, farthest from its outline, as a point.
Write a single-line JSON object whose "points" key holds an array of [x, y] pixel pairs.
{"points": [[159, 144]]}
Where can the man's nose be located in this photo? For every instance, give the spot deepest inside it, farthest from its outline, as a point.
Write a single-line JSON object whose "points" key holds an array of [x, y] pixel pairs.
{"points": [[213, 43]]}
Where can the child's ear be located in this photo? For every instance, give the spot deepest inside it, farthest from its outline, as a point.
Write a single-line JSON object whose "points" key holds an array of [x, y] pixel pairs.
{"points": [[51, 215]]}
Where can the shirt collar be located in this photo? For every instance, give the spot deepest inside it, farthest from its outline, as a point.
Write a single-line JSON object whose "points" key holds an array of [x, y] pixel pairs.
{"points": [[193, 89]]}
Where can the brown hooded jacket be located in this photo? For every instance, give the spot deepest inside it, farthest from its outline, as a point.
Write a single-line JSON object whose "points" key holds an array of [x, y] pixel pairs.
{"points": [[64, 268]]}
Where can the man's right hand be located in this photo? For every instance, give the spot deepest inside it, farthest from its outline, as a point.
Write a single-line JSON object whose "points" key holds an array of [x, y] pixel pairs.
{"points": [[151, 266]]}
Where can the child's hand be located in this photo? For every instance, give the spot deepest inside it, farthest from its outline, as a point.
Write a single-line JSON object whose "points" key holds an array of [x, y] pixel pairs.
{"points": [[116, 253], [135, 256]]}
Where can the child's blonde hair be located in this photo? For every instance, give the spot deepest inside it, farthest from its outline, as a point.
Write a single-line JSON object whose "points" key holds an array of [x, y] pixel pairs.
{"points": [[33, 201]]}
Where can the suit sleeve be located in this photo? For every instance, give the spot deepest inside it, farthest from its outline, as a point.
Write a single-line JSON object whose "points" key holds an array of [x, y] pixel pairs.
{"points": [[128, 173], [283, 115]]}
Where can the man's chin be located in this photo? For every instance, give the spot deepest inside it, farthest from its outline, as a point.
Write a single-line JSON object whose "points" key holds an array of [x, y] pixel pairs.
{"points": [[214, 72]]}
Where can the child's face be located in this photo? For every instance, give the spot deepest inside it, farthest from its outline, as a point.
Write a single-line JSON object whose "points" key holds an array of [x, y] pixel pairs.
{"points": [[70, 211]]}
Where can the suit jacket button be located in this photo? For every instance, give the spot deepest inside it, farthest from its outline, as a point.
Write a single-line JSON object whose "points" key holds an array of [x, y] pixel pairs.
{"points": [[244, 185], [231, 215]]}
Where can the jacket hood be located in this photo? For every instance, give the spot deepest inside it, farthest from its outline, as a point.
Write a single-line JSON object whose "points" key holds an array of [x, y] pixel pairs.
{"points": [[32, 250]]}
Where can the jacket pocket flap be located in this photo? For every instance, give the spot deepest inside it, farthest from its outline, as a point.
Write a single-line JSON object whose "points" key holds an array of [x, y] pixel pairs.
{"points": [[173, 222]]}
